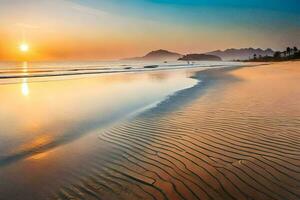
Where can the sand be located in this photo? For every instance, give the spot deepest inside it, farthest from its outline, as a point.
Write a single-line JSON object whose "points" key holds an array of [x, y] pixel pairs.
{"points": [[234, 136]]}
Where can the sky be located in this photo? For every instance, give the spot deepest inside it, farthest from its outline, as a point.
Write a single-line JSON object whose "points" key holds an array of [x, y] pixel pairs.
{"points": [[114, 29]]}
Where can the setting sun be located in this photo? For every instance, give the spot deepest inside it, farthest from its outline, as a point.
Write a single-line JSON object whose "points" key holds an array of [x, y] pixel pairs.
{"points": [[24, 47]]}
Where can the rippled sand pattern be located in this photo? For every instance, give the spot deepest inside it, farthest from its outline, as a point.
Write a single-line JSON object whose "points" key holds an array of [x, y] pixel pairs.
{"points": [[236, 136]]}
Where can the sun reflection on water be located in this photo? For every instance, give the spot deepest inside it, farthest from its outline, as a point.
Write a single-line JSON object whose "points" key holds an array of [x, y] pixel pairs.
{"points": [[24, 85]]}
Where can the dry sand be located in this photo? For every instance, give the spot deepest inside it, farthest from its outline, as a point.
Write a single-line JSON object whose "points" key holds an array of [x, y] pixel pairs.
{"points": [[236, 135]]}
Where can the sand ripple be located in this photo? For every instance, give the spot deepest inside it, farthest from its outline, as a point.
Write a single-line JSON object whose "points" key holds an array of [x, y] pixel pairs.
{"points": [[222, 145]]}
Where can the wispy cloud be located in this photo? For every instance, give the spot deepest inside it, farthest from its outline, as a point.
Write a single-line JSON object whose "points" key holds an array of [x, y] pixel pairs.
{"points": [[88, 10]]}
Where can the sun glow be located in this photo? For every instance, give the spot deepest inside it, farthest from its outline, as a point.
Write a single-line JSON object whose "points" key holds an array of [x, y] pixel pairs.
{"points": [[24, 47]]}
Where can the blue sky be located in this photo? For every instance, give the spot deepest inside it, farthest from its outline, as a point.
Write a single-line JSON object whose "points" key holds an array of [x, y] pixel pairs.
{"points": [[245, 13], [164, 7], [284, 6]]}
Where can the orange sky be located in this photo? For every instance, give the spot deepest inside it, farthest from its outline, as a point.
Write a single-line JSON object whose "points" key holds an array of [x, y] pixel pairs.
{"points": [[72, 30]]}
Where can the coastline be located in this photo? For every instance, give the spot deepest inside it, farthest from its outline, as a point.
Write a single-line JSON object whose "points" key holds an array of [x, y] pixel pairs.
{"points": [[216, 140], [31, 73]]}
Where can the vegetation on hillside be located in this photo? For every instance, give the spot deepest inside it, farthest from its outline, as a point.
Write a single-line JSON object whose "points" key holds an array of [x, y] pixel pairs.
{"points": [[288, 54]]}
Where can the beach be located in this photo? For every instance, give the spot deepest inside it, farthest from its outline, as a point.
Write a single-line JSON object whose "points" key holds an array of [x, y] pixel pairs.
{"points": [[215, 133]]}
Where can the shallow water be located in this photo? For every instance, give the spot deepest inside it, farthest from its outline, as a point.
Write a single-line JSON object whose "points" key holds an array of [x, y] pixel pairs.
{"points": [[48, 125], [11, 72], [39, 115]]}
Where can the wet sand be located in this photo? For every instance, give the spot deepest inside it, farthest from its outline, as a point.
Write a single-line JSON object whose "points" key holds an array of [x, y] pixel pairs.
{"points": [[238, 140], [234, 135]]}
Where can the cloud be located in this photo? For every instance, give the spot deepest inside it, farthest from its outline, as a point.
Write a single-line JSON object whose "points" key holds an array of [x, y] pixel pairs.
{"points": [[88, 10]]}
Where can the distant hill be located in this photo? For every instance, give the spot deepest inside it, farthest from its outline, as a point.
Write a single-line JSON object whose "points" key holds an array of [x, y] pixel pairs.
{"points": [[290, 53], [159, 55], [200, 57], [241, 54]]}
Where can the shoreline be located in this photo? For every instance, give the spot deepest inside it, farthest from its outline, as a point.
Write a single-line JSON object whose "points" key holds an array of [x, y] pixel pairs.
{"points": [[114, 71], [219, 139], [201, 75], [205, 78]]}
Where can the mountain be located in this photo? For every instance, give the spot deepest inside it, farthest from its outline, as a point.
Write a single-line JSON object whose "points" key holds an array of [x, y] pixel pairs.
{"points": [[200, 57], [159, 55], [241, 54]]}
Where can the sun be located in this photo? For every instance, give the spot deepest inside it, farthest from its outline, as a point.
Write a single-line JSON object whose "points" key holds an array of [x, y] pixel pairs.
{"points": [[24, 47]]}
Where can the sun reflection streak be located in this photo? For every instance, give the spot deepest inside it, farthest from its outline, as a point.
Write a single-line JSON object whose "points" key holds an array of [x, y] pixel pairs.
{"points": [[25, 88], [24, 85]]}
